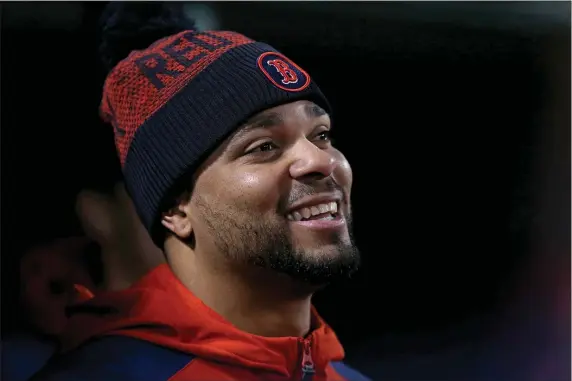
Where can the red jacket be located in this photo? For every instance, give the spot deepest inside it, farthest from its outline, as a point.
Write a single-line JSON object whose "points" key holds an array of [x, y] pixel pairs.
{"points": [[157, 330]]}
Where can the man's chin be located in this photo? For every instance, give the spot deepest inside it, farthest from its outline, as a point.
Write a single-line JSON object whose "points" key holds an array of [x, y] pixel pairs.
{"points": [[320, 243], [312, 265], [326, 250], [318, 272]]}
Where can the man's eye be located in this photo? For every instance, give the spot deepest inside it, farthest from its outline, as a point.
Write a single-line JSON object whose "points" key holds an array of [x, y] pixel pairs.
{"points": [[264, 147], [324, 135]]}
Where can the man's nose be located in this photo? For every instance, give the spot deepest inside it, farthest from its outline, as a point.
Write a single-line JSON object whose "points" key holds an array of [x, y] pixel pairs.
{"points": [[311, 161]]}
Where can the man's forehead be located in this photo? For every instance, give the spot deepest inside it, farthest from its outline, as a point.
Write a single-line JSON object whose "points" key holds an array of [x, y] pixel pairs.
{"points": [[277, 114]]}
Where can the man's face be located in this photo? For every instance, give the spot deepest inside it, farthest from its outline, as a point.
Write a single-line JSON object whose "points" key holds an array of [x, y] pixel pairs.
{"points": [[48, 274], [276, 195]]}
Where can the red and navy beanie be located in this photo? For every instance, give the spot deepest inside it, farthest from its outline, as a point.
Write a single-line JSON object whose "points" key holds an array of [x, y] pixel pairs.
{"points": [[172, 103]]}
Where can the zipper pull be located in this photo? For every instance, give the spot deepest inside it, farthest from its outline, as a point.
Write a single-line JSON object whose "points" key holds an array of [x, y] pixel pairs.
{"points": [[308, 369]]}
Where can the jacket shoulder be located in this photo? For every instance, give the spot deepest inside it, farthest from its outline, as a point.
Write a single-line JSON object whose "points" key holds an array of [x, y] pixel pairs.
{"points": [[348, 373], [115, 358]]}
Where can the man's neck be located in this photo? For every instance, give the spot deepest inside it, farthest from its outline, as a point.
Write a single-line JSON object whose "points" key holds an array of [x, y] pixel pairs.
{"points": [[261, 304]]}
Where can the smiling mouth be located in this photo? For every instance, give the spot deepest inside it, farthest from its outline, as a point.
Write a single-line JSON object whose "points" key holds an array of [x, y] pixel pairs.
{"points": [[325, 211]]}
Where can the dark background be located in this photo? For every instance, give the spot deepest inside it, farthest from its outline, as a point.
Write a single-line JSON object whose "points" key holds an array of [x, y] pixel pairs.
{"points": [[441, 108]]}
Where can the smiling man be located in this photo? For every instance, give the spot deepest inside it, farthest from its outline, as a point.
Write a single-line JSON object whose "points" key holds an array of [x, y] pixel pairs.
{"points": [[226, 152]]}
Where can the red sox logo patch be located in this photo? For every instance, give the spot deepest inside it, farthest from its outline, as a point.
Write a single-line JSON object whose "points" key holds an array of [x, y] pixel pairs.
{"points": [[282, 72]]}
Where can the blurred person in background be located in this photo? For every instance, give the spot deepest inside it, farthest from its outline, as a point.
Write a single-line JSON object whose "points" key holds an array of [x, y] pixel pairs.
{"points": [[49, 275], [58, 276], [225, 149], [127, 251]]}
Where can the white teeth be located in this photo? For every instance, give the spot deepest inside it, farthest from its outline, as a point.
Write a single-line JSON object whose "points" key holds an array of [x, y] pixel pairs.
{"points": [[297, 216], [331, 207]]}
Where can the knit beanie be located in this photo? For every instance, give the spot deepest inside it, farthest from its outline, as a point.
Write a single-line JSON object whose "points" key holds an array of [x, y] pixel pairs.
{"points": [[171, 103]]}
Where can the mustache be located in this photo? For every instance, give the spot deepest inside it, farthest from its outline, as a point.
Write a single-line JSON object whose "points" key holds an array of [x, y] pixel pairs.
{"points": [[302, 190]]}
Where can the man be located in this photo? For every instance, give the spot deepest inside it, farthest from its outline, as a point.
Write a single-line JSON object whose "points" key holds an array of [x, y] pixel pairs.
{"points": [[225, 149]]}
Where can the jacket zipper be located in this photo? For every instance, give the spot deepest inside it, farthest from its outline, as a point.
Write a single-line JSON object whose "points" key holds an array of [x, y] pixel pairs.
{"points": [[308, 369]]}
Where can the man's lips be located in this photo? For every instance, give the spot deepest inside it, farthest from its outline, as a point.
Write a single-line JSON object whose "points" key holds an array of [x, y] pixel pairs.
{"points": [[315, 205], [329, 222], [318, 212]]}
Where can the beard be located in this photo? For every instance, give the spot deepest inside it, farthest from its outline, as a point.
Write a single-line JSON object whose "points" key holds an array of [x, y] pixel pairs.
{"points": [[246, 239]]}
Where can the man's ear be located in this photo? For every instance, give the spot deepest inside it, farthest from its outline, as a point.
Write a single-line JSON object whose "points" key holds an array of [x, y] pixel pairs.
{"points": [[178, 221]]}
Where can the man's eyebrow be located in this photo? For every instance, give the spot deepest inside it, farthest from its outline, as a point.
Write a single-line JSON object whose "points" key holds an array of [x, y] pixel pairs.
{"points": [[266, 120], [273, 119]]}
